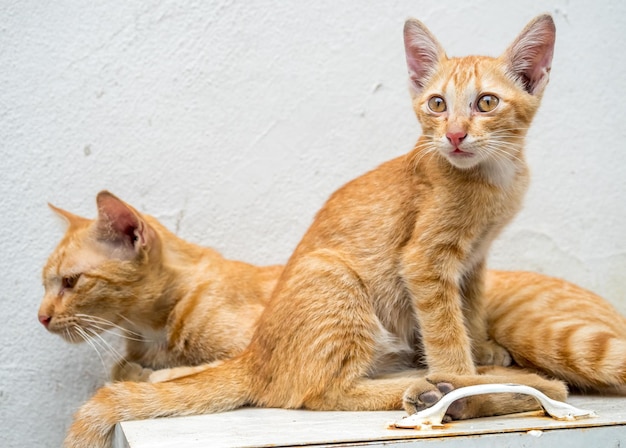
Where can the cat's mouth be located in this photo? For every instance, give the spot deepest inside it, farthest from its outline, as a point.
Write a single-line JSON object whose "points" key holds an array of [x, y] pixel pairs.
{"points": [[460, 153], [461, 158]]}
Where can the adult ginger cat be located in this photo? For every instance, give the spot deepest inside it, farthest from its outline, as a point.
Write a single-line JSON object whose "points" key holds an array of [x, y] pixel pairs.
{"points": [[384, 274], [178, 304]]}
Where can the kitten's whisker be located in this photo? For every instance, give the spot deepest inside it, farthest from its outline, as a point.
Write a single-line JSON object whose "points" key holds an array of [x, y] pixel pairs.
{"points": [[90, 335], [105, 344], [426, 148], [102, 321], [509, 131], [500, 161], [499, 150], [91, 343], [71, 336], [127, 319], [116, 333], [501, 157]]}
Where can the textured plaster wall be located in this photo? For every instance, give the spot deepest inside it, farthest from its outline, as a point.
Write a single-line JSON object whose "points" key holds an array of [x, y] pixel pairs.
{"points": [[233, 121]]}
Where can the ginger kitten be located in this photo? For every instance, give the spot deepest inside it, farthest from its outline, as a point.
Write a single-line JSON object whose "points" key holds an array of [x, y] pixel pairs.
{"points": [[219, 325], [392, 266], [176, 303], [391, 269]]}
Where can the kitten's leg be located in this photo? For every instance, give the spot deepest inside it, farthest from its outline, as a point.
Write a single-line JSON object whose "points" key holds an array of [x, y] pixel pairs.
{"points": [[422, 395], [159, 376], [437, 301], [366, 394], [130, 371], [485, 350], [417, 393]]}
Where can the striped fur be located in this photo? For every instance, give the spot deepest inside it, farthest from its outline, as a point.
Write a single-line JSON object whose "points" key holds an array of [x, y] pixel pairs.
{"points": [[563, 330], [176, 303], [391, 271]]}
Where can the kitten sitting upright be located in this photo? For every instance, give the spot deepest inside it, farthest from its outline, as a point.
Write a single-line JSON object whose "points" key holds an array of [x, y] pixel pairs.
{"points": [[177, 303], [515, 302], [391, 268]]}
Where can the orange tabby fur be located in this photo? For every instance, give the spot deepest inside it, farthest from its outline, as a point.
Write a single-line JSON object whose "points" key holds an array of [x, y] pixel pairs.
{"points": [[178, 303], [218, 325], [387, 267], [559, 328]]}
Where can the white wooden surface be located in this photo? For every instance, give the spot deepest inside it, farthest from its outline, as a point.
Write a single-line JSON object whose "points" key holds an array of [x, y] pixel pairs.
{"points": [[250, 427]]}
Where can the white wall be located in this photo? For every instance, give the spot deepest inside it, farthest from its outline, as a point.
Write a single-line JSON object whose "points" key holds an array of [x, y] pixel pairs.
{"points": [[233, 121]]}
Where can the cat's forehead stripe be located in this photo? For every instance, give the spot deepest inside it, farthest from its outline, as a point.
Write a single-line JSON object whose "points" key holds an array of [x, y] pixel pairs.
{"points": [[464, 73]]}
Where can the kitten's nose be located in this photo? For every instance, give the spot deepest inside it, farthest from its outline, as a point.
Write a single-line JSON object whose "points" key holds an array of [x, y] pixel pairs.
{"points": [[45, 320], [456, 138]]}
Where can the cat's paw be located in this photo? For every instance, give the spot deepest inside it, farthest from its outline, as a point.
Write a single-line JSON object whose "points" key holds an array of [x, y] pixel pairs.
{"points": [[130, 371], [490, 353], [427, 393]]}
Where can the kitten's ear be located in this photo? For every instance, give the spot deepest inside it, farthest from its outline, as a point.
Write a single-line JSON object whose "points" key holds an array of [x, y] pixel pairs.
{"points": [[119, 223], [423, 54], [529, 58], [70, 218]]}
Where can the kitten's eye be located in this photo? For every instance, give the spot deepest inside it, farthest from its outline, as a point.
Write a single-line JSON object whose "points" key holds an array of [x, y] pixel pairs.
{"points": [[437, 104], [70, 281], [487, 103]]}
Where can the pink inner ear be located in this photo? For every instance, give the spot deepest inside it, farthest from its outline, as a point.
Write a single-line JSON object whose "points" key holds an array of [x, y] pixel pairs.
{"points": [[116, 216], [531, 54], [423, 53], [544, 63]]}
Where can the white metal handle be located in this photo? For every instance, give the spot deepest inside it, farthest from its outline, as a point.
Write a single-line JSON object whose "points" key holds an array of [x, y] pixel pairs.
{"points": [[433, 416]]}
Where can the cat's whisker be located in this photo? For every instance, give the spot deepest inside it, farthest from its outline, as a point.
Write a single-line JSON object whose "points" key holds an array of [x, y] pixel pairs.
{"points": [[115, 332], [500, 157], [71, 336], [121, 316], [499, 149], [500, 160], [88, 336], [427, 149], [102, 321], [509, 130], [106, 345], [91, 343]]}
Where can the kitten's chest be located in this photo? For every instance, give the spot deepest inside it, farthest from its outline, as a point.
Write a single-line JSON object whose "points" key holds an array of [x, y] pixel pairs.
{"points": [[480, 208], [153, 350]]}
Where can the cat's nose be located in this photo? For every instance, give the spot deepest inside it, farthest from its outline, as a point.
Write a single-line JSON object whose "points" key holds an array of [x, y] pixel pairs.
{"points": [[456, 138], [45, 320]]}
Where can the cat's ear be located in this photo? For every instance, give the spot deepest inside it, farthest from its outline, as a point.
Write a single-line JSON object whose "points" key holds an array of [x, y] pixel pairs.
{"points": [[71, 219], [423, 54], [529, 58], [118, 223]]}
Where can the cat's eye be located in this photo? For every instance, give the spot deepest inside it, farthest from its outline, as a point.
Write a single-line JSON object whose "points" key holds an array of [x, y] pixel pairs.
{"points": [[437, 104], [487, 103], [70, 281]]}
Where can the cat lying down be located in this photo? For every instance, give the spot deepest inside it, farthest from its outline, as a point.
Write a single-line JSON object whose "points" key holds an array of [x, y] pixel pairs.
{"points": [[176, 303], [179, 304]]}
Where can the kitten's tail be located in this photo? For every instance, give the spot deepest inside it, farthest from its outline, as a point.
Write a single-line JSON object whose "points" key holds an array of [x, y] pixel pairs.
{"points": [[589, 357], [218, 388], [558, 328]]}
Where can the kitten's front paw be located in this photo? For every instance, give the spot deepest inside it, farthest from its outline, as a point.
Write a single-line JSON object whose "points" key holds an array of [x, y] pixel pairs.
{"points": [[426, 394], [490, 353], [130, 371]]}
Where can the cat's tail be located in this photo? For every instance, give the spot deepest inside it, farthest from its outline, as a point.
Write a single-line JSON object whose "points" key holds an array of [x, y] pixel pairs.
{"points": [[559, 328], [588, 356], [218, 388]]}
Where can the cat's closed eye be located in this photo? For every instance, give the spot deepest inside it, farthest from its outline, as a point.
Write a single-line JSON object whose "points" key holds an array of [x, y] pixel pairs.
{"points": [[70, 281]]}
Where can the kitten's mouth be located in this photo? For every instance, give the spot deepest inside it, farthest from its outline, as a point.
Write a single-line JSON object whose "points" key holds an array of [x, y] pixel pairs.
{"points": [[460, 153]]}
